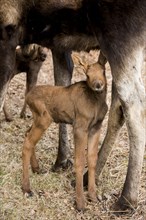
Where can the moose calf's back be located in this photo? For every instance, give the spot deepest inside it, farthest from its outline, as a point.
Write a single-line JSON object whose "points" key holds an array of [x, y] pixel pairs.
{"points": [[68, 104]]}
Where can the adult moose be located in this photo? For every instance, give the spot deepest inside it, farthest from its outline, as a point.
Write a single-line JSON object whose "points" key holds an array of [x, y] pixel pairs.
{"points": [[119, 29]]}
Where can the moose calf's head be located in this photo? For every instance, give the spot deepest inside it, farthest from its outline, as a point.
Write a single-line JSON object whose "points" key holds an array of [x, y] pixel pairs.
{"points": [[96, 79], [95, 74]]}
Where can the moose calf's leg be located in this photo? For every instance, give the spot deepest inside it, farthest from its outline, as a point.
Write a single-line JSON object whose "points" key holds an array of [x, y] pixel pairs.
{"points": [[28, 153], [34, 163], [63, 68], [115, 122], [92, 161], [80, 138]]}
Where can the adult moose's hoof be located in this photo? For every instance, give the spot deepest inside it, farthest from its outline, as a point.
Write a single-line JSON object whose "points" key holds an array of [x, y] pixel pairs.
{"points": [[123, 206], [64, 165]]}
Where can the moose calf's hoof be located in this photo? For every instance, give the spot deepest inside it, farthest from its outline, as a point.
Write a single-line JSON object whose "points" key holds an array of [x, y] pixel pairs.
{"points": [[27, 194], [80, 204], [80, 208], [92, 198], [36, 170]]}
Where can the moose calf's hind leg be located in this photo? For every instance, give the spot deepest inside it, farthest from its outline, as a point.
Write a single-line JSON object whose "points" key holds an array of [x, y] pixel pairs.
{"points": [[28, 154], [34, 163]]}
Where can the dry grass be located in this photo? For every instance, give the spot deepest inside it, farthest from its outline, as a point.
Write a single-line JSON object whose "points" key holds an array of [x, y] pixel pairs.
{"points": [[53, 194]]}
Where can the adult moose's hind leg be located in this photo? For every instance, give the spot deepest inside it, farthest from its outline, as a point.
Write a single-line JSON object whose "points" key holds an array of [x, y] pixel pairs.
{"points": [[63, 68], [127, 78]]}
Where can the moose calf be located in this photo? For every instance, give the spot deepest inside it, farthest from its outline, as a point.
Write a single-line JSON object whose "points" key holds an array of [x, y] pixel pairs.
{"points": [[29, 59], [83, 105]]}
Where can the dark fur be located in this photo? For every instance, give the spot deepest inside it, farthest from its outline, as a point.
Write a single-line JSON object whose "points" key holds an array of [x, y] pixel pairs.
{"points": [[29, 59], [119, 29]]}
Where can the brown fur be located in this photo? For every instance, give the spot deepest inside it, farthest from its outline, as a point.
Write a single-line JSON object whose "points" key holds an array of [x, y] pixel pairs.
{"points": [[119, 28], [82, 105]]}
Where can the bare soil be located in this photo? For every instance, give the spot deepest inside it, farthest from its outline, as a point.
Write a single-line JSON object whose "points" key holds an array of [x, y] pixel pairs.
{"points": [[53, 194]]}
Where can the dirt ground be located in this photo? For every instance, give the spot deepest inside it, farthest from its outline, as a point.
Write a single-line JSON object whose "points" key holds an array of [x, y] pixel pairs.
{"points": [[53, 194]]}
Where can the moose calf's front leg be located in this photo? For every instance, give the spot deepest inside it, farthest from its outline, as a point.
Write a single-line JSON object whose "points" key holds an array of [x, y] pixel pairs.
{"points": [[80, 138], [93, 142]]}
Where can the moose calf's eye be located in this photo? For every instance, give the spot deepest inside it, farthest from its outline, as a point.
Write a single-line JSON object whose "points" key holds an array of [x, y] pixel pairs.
{"points": [[10, 29]]}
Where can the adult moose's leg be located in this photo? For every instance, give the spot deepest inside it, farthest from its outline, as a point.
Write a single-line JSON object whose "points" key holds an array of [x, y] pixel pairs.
{"points": [[31, 81], [115, 122], [8, 43], [127, 77], [63, 68]]}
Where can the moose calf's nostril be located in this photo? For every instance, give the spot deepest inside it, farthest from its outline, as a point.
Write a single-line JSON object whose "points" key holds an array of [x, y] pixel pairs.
{"points": [[99, 85]]}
